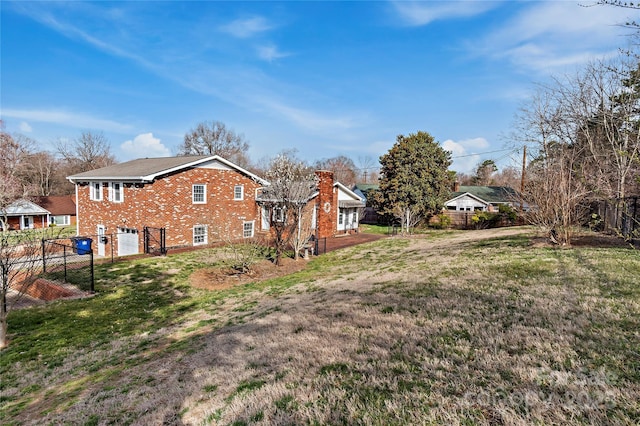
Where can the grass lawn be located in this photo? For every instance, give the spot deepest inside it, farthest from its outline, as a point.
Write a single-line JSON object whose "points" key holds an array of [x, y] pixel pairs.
{"points": [[472, 327]]}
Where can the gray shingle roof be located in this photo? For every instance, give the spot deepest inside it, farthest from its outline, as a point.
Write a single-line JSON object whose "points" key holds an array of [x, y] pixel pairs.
{"points": [[140, 168], [490, 194], [147, 169]]}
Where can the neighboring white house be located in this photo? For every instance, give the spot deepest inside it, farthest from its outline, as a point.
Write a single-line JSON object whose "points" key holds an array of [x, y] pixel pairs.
{"points": [[350, 205], [481, 198]]}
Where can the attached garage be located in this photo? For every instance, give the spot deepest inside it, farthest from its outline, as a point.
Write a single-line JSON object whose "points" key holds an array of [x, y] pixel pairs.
{"points": [[127, 241]]}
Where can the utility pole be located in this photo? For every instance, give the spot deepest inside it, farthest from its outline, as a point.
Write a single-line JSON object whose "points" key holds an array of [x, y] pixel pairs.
{"points": [[524, 166]]}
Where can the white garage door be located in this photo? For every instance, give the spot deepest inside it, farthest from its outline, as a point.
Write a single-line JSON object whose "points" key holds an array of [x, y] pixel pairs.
{"points": [[127, 241]]}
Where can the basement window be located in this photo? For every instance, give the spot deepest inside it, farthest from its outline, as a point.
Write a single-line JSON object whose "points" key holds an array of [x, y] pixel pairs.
{"points": [[247, 229], [199, 235]]}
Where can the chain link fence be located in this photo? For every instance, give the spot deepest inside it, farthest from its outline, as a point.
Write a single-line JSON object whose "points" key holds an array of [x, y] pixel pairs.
{"points": [[69, 260]]}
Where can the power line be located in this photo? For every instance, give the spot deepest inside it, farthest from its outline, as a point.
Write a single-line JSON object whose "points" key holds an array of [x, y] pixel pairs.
{"points": [[481, 153]]}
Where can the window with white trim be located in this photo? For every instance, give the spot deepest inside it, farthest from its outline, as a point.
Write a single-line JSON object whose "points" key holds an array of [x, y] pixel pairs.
{"points": [[340, 217], [199, 235], [95, 192], [247, 229], [116, 193], [199, 193], [278, 214], [60, 220], [238, 192]]}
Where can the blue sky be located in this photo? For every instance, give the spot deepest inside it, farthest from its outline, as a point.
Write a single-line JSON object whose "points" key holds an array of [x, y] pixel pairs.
{"points": [[324, 78]]}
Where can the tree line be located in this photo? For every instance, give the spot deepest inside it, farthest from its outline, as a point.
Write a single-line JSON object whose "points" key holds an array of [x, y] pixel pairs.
{"points": [[27, 171], [584, 134]]}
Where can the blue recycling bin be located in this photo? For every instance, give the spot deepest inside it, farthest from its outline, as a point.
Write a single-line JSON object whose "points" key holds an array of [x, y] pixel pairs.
{"points": [[83, 245]]}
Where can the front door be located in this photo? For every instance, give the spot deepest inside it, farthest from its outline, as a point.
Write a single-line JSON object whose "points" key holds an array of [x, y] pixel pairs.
{"points": [[28, 222], [101, 239]]}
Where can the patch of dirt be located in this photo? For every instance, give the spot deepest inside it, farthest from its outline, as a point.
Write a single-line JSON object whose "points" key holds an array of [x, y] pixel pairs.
{"points": [[224, 278], [587, 240]]}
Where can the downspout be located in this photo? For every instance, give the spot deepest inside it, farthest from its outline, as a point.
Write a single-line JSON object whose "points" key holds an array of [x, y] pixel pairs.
{"points": [[77, 215]]}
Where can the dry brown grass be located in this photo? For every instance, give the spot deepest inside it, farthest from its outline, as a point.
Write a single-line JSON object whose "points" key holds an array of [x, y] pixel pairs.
{"points": [[459, 330]]}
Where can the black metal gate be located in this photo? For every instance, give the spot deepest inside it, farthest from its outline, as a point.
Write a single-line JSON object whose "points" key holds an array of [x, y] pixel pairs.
{"points": [[155, 240]]}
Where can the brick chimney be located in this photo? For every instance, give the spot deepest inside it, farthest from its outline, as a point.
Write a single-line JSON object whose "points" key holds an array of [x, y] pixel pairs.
{"points": [[327, 204], [456, 185]]}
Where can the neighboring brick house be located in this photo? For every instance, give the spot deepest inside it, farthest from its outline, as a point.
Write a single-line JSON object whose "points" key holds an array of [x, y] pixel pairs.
{"points": [[197, 199], [62, 209], [334, 208], [24, 214]]}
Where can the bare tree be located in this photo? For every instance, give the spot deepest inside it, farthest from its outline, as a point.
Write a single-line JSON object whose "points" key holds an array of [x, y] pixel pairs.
{"points": [[20, 261], [368, 169], [13, 169], [343, 168], [239, 254], [213, 138], [292, 184], [556, 190], [555, 193], [88, 152], [508, 176], [464, 178], [42, 172], [605, 102]]}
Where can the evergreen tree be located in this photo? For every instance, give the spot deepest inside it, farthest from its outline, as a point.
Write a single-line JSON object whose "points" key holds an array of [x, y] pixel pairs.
{"points": [[415, 179]]}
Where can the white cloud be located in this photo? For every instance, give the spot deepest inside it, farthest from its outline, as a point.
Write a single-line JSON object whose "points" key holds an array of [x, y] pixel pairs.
{"points": [[246, 28], [144, 145], [551, 36], [25, 127], [76, 120], [417, 13], [270, 52], [465, 153]]}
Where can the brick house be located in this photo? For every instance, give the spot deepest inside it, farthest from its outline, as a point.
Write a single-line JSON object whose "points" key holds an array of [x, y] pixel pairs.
{"points": [[337, 209], [195, 198], [62, 209], [24, 214], [333, 207]]}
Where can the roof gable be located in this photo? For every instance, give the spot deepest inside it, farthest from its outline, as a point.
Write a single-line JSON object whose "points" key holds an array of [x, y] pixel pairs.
{"points": [[462, 195], [346, 193], [348, 198], [24, 207]]}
